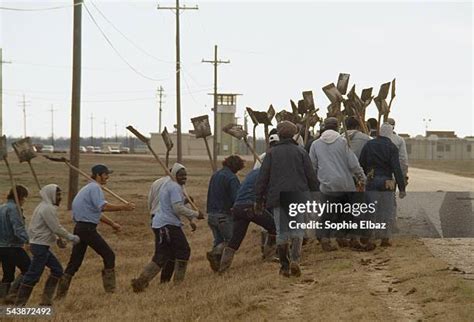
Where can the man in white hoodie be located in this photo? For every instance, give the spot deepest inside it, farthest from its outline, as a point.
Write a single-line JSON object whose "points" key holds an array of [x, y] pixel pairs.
{"points": [[335, 165], [44, 231]]}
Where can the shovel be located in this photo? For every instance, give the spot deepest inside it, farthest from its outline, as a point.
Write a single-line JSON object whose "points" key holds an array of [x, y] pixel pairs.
{"points": [[381, 103], [236, 131], [202, 129], [392, 96], [26, 152], [3, 155], [145, 140], [85, 175], [169, 144]]}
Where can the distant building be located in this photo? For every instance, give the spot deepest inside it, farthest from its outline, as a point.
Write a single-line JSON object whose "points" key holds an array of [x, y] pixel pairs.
{"points": [[440, 145]]}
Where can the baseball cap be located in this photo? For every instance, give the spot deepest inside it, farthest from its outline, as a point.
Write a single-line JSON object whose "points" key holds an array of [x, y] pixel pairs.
{"points": [[100, 168]]}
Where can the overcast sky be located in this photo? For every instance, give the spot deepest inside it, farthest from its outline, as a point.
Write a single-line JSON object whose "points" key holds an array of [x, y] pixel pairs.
{"points": [[276, 49]]}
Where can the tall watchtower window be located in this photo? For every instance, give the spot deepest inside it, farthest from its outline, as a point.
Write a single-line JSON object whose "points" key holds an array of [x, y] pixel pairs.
{"points": [[226, 100]]}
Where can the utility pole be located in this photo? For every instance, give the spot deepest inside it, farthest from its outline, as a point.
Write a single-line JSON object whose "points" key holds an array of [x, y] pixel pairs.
{"points": [[92, 129], [52, 124], [105, 129], [116, 136], [75, 102], [160, 96], [215, 62], [178, 72], [1, 90], [23, 104]]}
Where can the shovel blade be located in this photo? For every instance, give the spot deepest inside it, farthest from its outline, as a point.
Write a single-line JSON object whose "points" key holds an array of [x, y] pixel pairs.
{"points": [[271, 113], [392, 94], [383, 92], [202, 128], [235, 130], [167, 139], [24, 150], [343, 83], [332, 93]]}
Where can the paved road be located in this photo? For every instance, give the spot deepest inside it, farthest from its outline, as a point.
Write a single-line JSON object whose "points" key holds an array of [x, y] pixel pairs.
{"points": [[441, 205]]}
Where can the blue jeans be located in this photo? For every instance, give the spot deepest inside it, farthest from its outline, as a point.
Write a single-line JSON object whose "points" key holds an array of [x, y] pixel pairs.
{"points": [[221, 226], [282, 225], [42, 257], [386, 207]]}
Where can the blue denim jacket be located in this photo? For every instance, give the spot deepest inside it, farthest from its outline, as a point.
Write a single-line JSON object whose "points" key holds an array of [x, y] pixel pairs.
{"points": [[12, 226], [246, 194], [222, 191]]}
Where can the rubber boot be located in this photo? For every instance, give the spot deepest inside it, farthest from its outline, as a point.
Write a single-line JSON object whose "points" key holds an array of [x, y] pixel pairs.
{"points": [[63, 286], [23, 295], [326, 245], [108, 280], [4, 288], [269, 247], [296, 245], [226, 260], [179, 270], [149, 272], [15, 285], [49, 289], [284, 260], [214, 256], [167, 272]]}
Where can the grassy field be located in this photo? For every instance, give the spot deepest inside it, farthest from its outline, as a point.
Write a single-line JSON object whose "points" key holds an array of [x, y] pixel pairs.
{"points": [[463, 168], [405, 282]]}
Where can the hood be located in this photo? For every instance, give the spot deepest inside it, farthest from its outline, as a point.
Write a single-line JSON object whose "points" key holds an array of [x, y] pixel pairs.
{"points": [[48, 193], [176, 167], [386, 130], [329, 136]]}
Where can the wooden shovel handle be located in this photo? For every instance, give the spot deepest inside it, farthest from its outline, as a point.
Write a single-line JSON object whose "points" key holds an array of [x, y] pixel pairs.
{"points": [[142, 138], [15, 194], [85, 175], [252, 150]]}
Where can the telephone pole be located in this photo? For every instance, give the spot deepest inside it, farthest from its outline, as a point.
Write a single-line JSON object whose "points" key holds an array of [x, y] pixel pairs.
{"points": [[23, 104], [105, 129], [92, 129], [215, 62], [75, 102], [160, 96], [1, 91], [116, 136], [177, 8], [52, 124]]}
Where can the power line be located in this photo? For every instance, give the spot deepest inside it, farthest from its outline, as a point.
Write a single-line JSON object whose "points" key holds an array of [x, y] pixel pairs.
{"points": [[39, 9], [116, 51], [128, 38]]}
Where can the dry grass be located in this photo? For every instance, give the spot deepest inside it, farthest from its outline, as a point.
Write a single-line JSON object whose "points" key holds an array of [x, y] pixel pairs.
{"points": [[335, 286], [463, 168]]}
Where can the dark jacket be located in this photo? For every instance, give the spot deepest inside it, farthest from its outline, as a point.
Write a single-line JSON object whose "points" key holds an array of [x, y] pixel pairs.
{"points": [[285, 168], [246, 193], [12, 226], [223, 188], [381, 156]]}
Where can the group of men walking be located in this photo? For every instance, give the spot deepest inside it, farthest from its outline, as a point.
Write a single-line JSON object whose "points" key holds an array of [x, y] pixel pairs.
{"points": [[341, 168]]}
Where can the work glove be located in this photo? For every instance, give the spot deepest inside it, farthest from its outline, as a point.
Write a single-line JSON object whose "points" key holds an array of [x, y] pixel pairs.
{"points": [[74, 239]]}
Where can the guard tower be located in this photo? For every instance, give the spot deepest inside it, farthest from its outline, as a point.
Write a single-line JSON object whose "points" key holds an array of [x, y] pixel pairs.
{"points": [[226, 108]]}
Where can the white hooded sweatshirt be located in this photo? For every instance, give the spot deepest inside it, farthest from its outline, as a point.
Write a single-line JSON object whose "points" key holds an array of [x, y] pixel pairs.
{"points": [[44, 225]]}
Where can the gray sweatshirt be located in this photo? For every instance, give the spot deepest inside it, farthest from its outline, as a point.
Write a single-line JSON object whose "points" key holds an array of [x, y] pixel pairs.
{"points": [[358, 140], [44, 225], [334, 163]]}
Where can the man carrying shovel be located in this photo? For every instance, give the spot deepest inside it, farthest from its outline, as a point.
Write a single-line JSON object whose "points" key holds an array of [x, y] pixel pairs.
{"points": [[13, 237], [170, 240], [87, 208], [44, 230]]}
